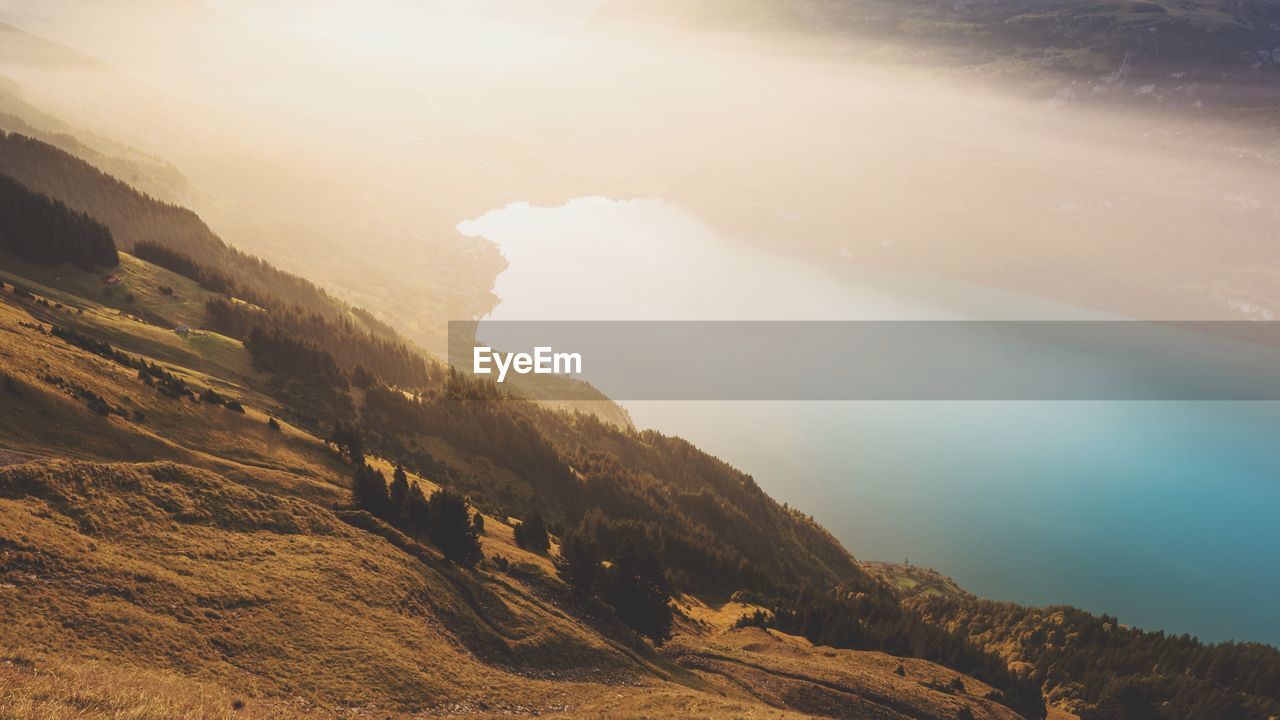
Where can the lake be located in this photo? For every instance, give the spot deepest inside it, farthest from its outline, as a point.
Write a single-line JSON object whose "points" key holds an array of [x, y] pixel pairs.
{"points": [[1162, 513]]}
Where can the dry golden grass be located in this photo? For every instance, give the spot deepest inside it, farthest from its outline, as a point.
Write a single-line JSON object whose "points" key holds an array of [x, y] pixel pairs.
{"points": [[715, 616], [170, 567], [44, 689], [49, 689], [46, 419], [1059, 714], [786, 671], [914, 580]]}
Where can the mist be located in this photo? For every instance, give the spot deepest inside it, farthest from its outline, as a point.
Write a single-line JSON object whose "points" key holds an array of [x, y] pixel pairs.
{"points": [[346, 142]]}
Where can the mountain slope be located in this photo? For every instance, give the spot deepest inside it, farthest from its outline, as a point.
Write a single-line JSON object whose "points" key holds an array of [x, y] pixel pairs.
{"points": [[193, 559], [174, 567], [176, 570]]}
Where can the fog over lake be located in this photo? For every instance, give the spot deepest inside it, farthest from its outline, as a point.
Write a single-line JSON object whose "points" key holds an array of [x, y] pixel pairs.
{"points": [[1160, 513]]}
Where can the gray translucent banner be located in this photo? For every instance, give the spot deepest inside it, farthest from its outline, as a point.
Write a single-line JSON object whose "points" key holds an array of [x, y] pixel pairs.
{"points": [[876, 360]]}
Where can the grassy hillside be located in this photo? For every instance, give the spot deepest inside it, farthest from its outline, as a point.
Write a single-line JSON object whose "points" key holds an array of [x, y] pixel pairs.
{"points": [[177, 568], [155, 586], [161, 296], [192, 561], [835, 683], [915, 581]]}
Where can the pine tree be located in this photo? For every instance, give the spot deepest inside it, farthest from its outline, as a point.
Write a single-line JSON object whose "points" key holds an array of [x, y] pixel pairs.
{"points": [[579, 563], [532, 534], [361, 377], [44, 231], [399, 492], [635, 588], [477, 523], [451, 529], [355, 446], [416, 512], [348, 441], [369, 489]]}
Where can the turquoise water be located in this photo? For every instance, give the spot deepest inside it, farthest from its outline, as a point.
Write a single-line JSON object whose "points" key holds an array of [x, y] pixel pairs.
{"points": [[1164, 514], [1160, 513]]}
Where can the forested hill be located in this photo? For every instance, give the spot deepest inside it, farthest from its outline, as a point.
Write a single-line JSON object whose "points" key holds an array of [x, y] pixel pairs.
{"points": [[1093, 664], [136, 218], [46, 232], [712, 526], [144, 172]]}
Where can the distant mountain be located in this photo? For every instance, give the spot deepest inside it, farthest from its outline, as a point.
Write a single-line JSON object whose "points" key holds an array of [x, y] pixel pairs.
{"points": [[84, 25], [135, 218], [1206, 39], [19, 47], [149, 174]]}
